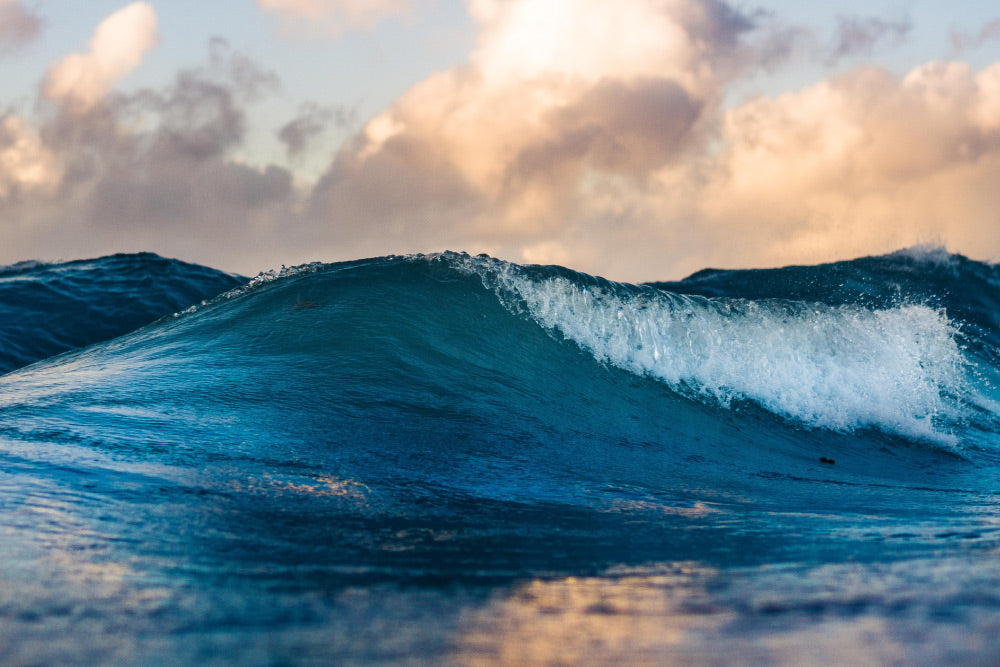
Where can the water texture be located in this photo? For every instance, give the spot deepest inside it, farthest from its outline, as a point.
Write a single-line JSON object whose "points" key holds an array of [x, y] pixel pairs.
{"points": [[455, 459]]}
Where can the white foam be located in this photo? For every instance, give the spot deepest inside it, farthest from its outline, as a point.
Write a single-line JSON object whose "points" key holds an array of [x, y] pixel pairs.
{"points": [[899, 369], [933, 254]]}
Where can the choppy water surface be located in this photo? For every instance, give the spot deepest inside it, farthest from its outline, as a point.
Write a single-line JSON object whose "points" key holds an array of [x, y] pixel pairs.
{"points": [[457, 459]]}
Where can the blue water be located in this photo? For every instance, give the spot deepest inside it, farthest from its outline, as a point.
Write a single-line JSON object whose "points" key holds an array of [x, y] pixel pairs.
{"points": [[46, 309], [455, 459]]}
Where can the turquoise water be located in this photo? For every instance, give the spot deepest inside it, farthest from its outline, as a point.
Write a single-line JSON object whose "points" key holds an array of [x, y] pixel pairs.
{"points": [[457, 459]]}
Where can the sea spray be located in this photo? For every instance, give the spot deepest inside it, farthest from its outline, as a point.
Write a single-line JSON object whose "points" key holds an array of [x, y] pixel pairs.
{"points": [[450, 459], [899, 369]]}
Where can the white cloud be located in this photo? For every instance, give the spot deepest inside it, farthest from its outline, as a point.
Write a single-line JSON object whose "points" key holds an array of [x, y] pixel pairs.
{"points": [[116, 48], [25, 162]]}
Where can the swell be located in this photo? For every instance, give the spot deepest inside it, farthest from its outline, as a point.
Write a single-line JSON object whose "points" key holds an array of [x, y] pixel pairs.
{"points": [[47, 308], [452, 352], [896, 367], [451, 414]]}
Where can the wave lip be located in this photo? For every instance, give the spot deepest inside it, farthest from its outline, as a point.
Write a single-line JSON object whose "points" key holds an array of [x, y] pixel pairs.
{"points": [[899, 369]]}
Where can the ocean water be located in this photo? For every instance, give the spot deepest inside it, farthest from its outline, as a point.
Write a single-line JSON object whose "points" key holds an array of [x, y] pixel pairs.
{"points": [[452, 459], [46, 309]]}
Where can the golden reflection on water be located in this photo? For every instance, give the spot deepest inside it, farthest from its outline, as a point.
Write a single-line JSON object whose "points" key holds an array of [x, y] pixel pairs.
{"points": [[674, 614], [322, 486], [652, 617]]}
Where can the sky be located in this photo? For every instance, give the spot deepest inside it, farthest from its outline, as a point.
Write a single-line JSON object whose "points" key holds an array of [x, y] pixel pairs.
{"points": [[638, 140]]}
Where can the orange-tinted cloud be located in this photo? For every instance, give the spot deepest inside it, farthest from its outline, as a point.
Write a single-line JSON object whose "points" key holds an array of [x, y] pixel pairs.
{"points": [[561, 103], [116, 48], [583, 132], [26, 164], [862, 163], [335, 16], [606, 146], [100, 171]]}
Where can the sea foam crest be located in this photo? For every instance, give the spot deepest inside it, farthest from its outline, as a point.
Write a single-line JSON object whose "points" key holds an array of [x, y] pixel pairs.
{"points": [[898, 369]]}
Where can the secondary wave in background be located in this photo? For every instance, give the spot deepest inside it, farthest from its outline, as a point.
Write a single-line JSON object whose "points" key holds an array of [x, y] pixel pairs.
{"points": [[48, 308]]}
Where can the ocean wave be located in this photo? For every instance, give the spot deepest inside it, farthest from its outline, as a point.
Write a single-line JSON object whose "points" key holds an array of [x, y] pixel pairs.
{"points": [[48, 308], [528, 441], [842, 367]]}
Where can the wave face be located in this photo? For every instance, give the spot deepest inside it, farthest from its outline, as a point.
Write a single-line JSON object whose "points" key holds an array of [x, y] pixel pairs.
{"points": [[843, 367], [46, 309], [461, 448]]}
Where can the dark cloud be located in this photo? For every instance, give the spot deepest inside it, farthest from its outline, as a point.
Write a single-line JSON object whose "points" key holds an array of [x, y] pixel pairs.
{"points": [[963, 41], [715, 23], [406, 189], [720, 30], [248, 79], [775, 43], [154, 169], [629, 128], [857, 35], [18, 26], [313, 120], [199, 119]]}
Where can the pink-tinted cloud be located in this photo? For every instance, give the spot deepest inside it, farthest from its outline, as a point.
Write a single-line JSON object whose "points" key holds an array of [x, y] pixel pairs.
{"points": [[582, 132], [19, 25], [607, 147], [863, 163], [505, 152]]}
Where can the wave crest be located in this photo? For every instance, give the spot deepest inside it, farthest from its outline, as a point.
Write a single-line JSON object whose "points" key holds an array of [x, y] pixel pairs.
{"points": [[846, 367]]}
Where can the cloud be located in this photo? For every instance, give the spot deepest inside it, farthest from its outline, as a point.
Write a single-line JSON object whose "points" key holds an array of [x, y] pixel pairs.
{"points": [[336, 16], [18, 26], [312, 121], [25, 162], [582, 132], [606, 145], [154, 169], [249, 80], [963, 41], [115, 49], [861, 163], [776, 42], [857, 35], [558, 98], [178, 184]]}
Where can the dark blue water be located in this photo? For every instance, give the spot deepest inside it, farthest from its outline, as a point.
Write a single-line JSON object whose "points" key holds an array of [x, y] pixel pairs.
{"points": [[453, 459], [46, 309]]}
